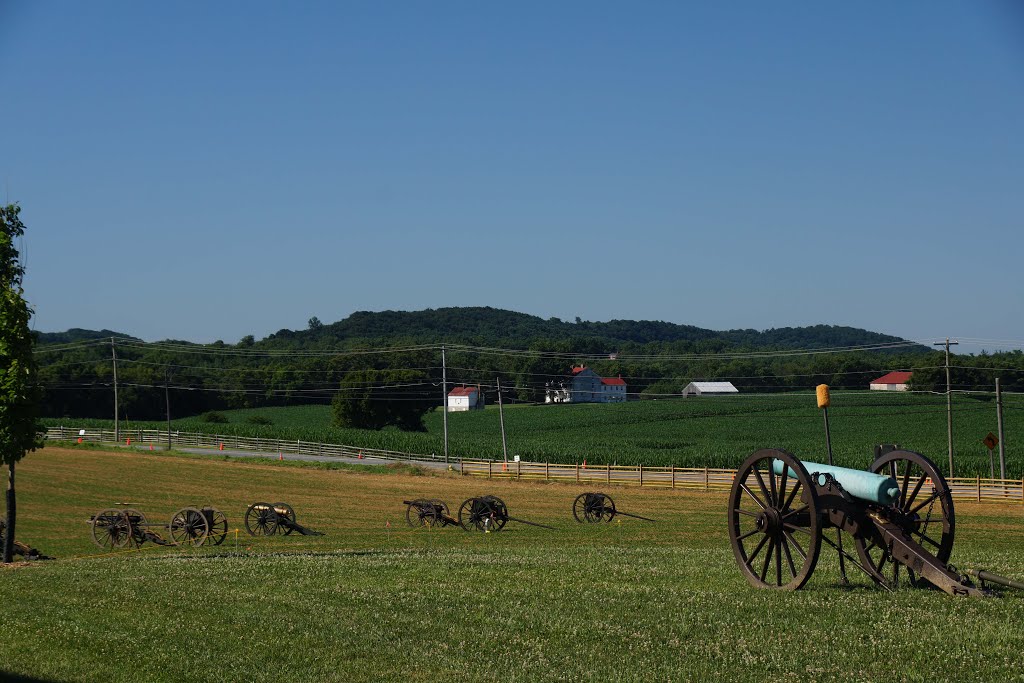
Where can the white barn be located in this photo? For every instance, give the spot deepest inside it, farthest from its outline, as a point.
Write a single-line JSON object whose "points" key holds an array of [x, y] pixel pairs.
{"points": [[894, 381], [709, 389], [461, 399]]}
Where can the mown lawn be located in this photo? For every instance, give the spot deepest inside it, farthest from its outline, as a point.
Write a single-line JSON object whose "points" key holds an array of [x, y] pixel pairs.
{"points": [[367, 602]]}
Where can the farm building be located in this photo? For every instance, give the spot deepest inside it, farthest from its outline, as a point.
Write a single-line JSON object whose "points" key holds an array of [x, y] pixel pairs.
{"points": [[461, 399], [894, 381], [709, 389], [584, 385]]}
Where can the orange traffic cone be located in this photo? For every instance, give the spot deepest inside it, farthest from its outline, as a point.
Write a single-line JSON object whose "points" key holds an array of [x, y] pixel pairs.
{"points": [[150, 446], [584, 463], [128, 441], [222, 446], [79, 439], [280, 456], [360, 455]]}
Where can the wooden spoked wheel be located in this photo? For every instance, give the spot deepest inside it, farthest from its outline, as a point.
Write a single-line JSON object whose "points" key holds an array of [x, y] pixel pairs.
{"points": [[593, 508], [261, 520], [924, 511], [284, 511], [218, 522], [189, 526], [478, 514], [137, 522], [499, 514], [111, 529], [774, 521]]}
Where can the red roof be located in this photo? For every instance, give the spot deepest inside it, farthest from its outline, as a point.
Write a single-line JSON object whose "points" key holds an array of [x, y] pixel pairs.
{"points": [[578, 370], [893, 378], [613, 380], [462, 391]]}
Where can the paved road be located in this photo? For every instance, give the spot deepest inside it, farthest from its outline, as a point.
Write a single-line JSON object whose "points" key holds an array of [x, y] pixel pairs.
{"points": [[366, 460]]}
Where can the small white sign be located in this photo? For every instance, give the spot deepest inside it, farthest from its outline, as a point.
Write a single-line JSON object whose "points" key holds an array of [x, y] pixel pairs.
{"points": [[81, 432], [515, 458]]}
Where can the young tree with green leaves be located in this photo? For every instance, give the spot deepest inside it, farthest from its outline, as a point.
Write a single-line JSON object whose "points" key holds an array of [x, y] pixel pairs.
{"points": [[19, 390]]}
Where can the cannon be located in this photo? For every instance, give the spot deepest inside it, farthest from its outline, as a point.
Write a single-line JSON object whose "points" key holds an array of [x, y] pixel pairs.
{"points": [[488, 513], [598, 507], [267, 519], [27, 552], [115, 528], [428, 512], [899, 516]]}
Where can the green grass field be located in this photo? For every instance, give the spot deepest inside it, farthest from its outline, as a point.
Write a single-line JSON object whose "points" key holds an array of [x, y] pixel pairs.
{"points": [[367, 602], [704, 432]]}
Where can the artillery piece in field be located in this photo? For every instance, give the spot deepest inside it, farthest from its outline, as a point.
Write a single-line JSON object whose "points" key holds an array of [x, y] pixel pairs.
{"points": [[428, 512], [267, 519], [115, 528], [899, 517], [594, 507], [487, 514]]}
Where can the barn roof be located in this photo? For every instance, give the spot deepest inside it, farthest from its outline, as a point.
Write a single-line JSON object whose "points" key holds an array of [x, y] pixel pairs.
{"points": [[715, 387], [462, 391], [613, 380], [893, 378]]}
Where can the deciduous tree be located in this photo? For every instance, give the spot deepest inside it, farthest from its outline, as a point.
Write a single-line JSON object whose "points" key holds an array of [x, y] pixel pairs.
{"points": [[19, 391]]}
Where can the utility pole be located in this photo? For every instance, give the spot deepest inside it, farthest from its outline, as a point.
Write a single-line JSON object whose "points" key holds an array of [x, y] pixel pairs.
{"points": [[949, 403], [167, 398], [999, 424], [501, 416], [113, 355], [444, 400]]}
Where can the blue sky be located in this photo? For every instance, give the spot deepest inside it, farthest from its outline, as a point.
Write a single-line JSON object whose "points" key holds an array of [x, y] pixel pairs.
{"points": [[205, 171]]}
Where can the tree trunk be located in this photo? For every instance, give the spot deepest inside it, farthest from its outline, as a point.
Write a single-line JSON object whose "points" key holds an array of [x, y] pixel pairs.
{"points": [[11, 516]]}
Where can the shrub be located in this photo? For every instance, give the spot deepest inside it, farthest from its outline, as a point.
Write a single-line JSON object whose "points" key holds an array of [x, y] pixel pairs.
{"points": [[214, 417]]}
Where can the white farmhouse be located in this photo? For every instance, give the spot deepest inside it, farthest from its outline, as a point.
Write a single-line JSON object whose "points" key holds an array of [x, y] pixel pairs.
{"points": [[461, 399], [709, 389], [586, 386], [894, 381]]}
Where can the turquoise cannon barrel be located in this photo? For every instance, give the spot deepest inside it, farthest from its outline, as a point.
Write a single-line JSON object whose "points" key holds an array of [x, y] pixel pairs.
{"points": [[875, 488]]}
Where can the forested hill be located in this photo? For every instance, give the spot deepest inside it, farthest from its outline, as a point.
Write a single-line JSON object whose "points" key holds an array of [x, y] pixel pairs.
{"points": [[492, 326]]}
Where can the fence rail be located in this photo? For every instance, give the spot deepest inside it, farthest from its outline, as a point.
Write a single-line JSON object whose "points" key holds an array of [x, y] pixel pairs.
{"points": [[706, 478]]}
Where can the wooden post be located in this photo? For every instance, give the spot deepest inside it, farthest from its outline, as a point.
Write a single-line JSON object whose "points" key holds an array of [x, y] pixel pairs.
{"points": [[673, 476], [706, 478], [547, 467], [978, 480], [488, 469], [608, 472], [641, 474], [519, 469], [577, 473]]}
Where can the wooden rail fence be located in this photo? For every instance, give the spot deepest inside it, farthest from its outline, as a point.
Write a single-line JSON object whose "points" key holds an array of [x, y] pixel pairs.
{"points": [[706, 478]]}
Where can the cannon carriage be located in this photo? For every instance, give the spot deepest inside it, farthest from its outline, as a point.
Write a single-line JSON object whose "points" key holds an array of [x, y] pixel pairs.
{"points": [[428, 512], [118, 527], [594, 508], [487, 514], [898, 516], [268, 519]]}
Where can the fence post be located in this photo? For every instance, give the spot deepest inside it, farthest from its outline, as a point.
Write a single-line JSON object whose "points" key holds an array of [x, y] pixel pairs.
{"points": [[673, 476], [547, 467], [519, 469], [608, 469], [488, 469], [577, 473], [641, 474], [706, 479], [977, 479]]}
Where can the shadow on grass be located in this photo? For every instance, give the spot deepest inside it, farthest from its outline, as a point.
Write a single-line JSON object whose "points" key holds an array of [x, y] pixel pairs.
{"points": [[18, 678]]}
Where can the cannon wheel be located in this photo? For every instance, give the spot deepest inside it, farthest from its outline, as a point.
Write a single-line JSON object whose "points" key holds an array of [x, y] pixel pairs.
{"points": [[285, 510], [925, 508], [777, 515], [421, 512], [477, 513], [500, 512], [189, 526], [261, 520], [111, 529], [593, 508], [218, 525], [137, 522]]}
